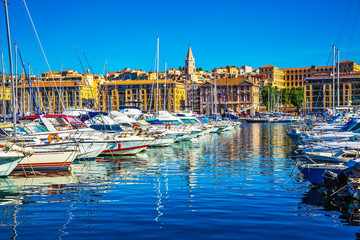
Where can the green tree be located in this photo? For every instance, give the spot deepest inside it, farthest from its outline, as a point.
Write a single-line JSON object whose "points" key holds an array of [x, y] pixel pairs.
{"points": [[199, 69], [285, 98], [268, 97], [297, 97]]}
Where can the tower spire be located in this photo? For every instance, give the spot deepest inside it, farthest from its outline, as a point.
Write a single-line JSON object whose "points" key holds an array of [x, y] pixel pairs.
{"points": [[190, 54], [190, 62]]}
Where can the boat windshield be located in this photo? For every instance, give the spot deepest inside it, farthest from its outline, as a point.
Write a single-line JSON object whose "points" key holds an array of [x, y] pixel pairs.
{"points": [[349, 125], [20, 130], [354, 127], [106, 127], [36, 129], [188, 120], [172, 122]]}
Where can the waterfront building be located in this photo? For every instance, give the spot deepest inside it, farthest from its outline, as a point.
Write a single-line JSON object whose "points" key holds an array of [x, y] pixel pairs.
{"points": [[127, 74], [295, 77], [319, 91], [52, 92], [54, 97], [274, 76], [232, 71], [143, 94], [192, 101], [234, 95]]}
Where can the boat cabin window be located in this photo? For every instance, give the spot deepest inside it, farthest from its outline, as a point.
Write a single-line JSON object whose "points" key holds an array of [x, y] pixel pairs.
{"points": [[60, 124], [106, 128], [126, 124], [77, 123]]}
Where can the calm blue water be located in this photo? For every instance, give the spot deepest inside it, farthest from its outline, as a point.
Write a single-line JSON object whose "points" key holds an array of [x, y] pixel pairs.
{"points": [[233, 185]]}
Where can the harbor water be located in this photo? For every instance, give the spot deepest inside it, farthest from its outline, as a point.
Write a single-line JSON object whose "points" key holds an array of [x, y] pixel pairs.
{"points": [[232, 185]]}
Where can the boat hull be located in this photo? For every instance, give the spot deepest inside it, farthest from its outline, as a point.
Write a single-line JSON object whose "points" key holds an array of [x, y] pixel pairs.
{"points": [[124, 148], [314, 172], [162, 142], [8, 164], [47, 160]]}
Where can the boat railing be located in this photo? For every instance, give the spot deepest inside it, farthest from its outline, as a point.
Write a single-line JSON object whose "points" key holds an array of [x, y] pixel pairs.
{"points": [[300, 159]]}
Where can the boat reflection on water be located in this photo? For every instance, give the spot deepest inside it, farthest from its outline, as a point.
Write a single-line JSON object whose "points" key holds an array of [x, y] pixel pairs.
{"points": [[31, 179], [9, 192], [102, 170], [349, 208]]}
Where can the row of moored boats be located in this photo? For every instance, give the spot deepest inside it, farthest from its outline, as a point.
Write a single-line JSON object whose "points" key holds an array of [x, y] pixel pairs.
{"points": [[327, 155], [54, 141]]}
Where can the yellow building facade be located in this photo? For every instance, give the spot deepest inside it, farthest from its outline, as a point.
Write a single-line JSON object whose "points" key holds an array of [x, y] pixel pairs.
{"points": [[54, 97], [142, 93], [274, 76]]}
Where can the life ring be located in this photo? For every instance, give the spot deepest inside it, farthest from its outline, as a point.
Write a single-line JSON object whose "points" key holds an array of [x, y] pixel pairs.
{"points": [[136, 125], [168, 126], [210, 121], [53, 135]]}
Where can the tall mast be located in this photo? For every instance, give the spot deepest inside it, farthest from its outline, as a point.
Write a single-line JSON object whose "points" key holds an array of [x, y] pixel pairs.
{"points": [[192, 94], [60, 94], [338, 77], [215, 94], [31, 100], [157, 77], [3, 86], [165, 87], [11, 66], [16, 80], [333, 78]]}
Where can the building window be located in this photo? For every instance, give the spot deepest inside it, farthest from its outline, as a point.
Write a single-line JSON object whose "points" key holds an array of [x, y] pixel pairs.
{"points": [[307, 87]]}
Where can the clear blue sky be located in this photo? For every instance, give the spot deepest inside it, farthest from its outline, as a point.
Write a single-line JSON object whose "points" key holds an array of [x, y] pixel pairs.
{"points": [[228, 32]]}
